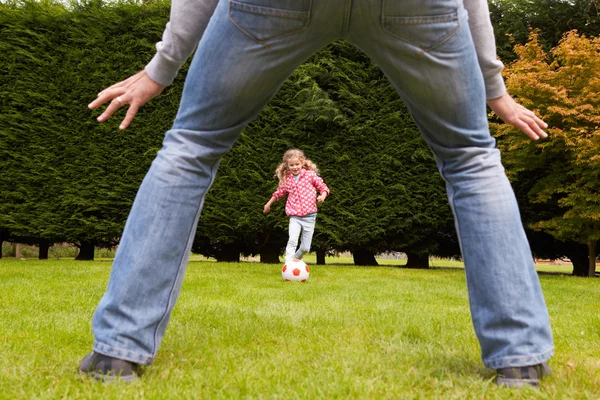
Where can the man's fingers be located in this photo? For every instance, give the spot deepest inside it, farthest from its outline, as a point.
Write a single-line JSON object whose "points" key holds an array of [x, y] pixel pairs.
{"points": [[109, 89], [102, 98], [131, 112], [120, 87], [519, 116], [105, 96], [134, 91], [536, 125], [533, 120], [528, 123], [526, 129], [111, 109], [540, 122], [122, 84], [95, 104]]}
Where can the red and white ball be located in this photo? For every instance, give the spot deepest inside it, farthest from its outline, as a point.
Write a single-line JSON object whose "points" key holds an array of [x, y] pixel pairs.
{"points": [[295, 271]]}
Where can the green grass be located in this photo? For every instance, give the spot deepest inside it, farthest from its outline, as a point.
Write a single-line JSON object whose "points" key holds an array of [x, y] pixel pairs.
{"points": [[238, 331]]}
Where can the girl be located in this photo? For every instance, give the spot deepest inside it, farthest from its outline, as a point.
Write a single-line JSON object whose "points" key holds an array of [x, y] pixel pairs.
{"points": [[298, 180]]}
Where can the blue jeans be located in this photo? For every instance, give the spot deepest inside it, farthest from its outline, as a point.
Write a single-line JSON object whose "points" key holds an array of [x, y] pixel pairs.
{"points": [[298, 226], [248, 50]]}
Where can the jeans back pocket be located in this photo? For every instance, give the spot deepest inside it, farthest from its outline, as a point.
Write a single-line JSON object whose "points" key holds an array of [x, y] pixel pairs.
{"points": [[264, 20], [422, 23]]}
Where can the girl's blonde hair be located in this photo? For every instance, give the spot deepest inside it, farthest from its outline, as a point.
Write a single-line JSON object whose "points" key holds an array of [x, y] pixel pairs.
{"points": [[282, 169]]}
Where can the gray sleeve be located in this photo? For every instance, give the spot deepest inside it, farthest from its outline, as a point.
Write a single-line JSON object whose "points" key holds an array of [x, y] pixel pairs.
{"points": [[187, 23], [485, 45]]}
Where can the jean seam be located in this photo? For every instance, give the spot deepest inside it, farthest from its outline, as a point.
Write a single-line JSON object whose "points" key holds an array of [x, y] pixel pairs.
{"points": [[428, 48], [539, 357], [451, 201], [140, 357], [449, 17], [181, 266], [306, 21], [268, 11]]}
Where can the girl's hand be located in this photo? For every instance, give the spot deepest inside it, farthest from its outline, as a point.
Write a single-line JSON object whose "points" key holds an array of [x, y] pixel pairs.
{"points": [[267, 208], [321, 198], [136, 91], [518, 116]]}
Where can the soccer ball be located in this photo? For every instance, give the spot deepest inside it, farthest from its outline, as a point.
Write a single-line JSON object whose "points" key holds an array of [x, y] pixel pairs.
{"points": [[295, 271]]}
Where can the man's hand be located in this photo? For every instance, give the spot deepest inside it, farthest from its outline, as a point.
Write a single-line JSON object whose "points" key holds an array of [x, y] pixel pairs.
{"points": [[136, 91], [518, 116]]}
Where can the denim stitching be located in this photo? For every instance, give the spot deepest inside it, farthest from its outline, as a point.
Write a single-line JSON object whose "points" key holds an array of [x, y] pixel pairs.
{"points": [[266, 11], [292, 14], [100, 347], [421, 20], [347, 15], [532, 360], [181, 264]]}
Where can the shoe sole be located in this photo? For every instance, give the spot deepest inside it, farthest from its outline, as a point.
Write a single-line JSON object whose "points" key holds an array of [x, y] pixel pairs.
{"points": [[109, 378], [518, 383]]}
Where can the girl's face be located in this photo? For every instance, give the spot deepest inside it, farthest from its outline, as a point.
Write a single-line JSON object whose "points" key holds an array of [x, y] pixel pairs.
{"points": [[295, 165]]}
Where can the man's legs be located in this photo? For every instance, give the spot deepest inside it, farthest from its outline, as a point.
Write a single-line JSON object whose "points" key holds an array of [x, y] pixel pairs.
{"points": [[246, 53], [428, 54]]}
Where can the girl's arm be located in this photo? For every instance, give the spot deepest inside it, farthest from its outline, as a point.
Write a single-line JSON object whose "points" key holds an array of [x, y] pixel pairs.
{"points": [[277, 195], [320, 185], [267, 207]]}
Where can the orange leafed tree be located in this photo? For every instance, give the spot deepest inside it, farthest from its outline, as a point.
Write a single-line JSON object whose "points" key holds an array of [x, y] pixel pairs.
{"points": [[563, 88]]}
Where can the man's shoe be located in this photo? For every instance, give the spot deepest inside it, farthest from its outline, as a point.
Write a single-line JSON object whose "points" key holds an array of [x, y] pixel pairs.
{"points": [[517, 377], [108, 369]]}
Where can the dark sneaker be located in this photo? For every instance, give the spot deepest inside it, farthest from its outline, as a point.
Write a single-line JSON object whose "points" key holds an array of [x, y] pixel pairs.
{"points": [[108, 369], [517, 377]]}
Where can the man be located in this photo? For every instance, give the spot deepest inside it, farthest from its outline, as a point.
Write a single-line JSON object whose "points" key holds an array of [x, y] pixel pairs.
{"points": [[441, 58]]}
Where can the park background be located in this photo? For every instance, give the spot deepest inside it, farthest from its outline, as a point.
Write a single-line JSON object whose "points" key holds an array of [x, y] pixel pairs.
{"points": [[68, 179], [385, 313]]}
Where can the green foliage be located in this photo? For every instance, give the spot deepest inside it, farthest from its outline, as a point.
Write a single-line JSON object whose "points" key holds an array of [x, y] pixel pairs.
{"points": [[66, 177], [563, 86], [386, 193], [513, 20]]}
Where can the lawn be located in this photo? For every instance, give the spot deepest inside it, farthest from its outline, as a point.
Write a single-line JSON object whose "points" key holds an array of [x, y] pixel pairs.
{"points": [[238, 331]]}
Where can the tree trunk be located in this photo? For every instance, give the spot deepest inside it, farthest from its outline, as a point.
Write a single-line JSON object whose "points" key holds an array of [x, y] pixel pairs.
{"points": [[415, 260], [16, 251], [86, 251], [579, 258], [227, 257], [44, 247], [592, 258], [228, 253], [269, 256], [364, 257], [3, 236], [12, 249], [321, 257]]}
